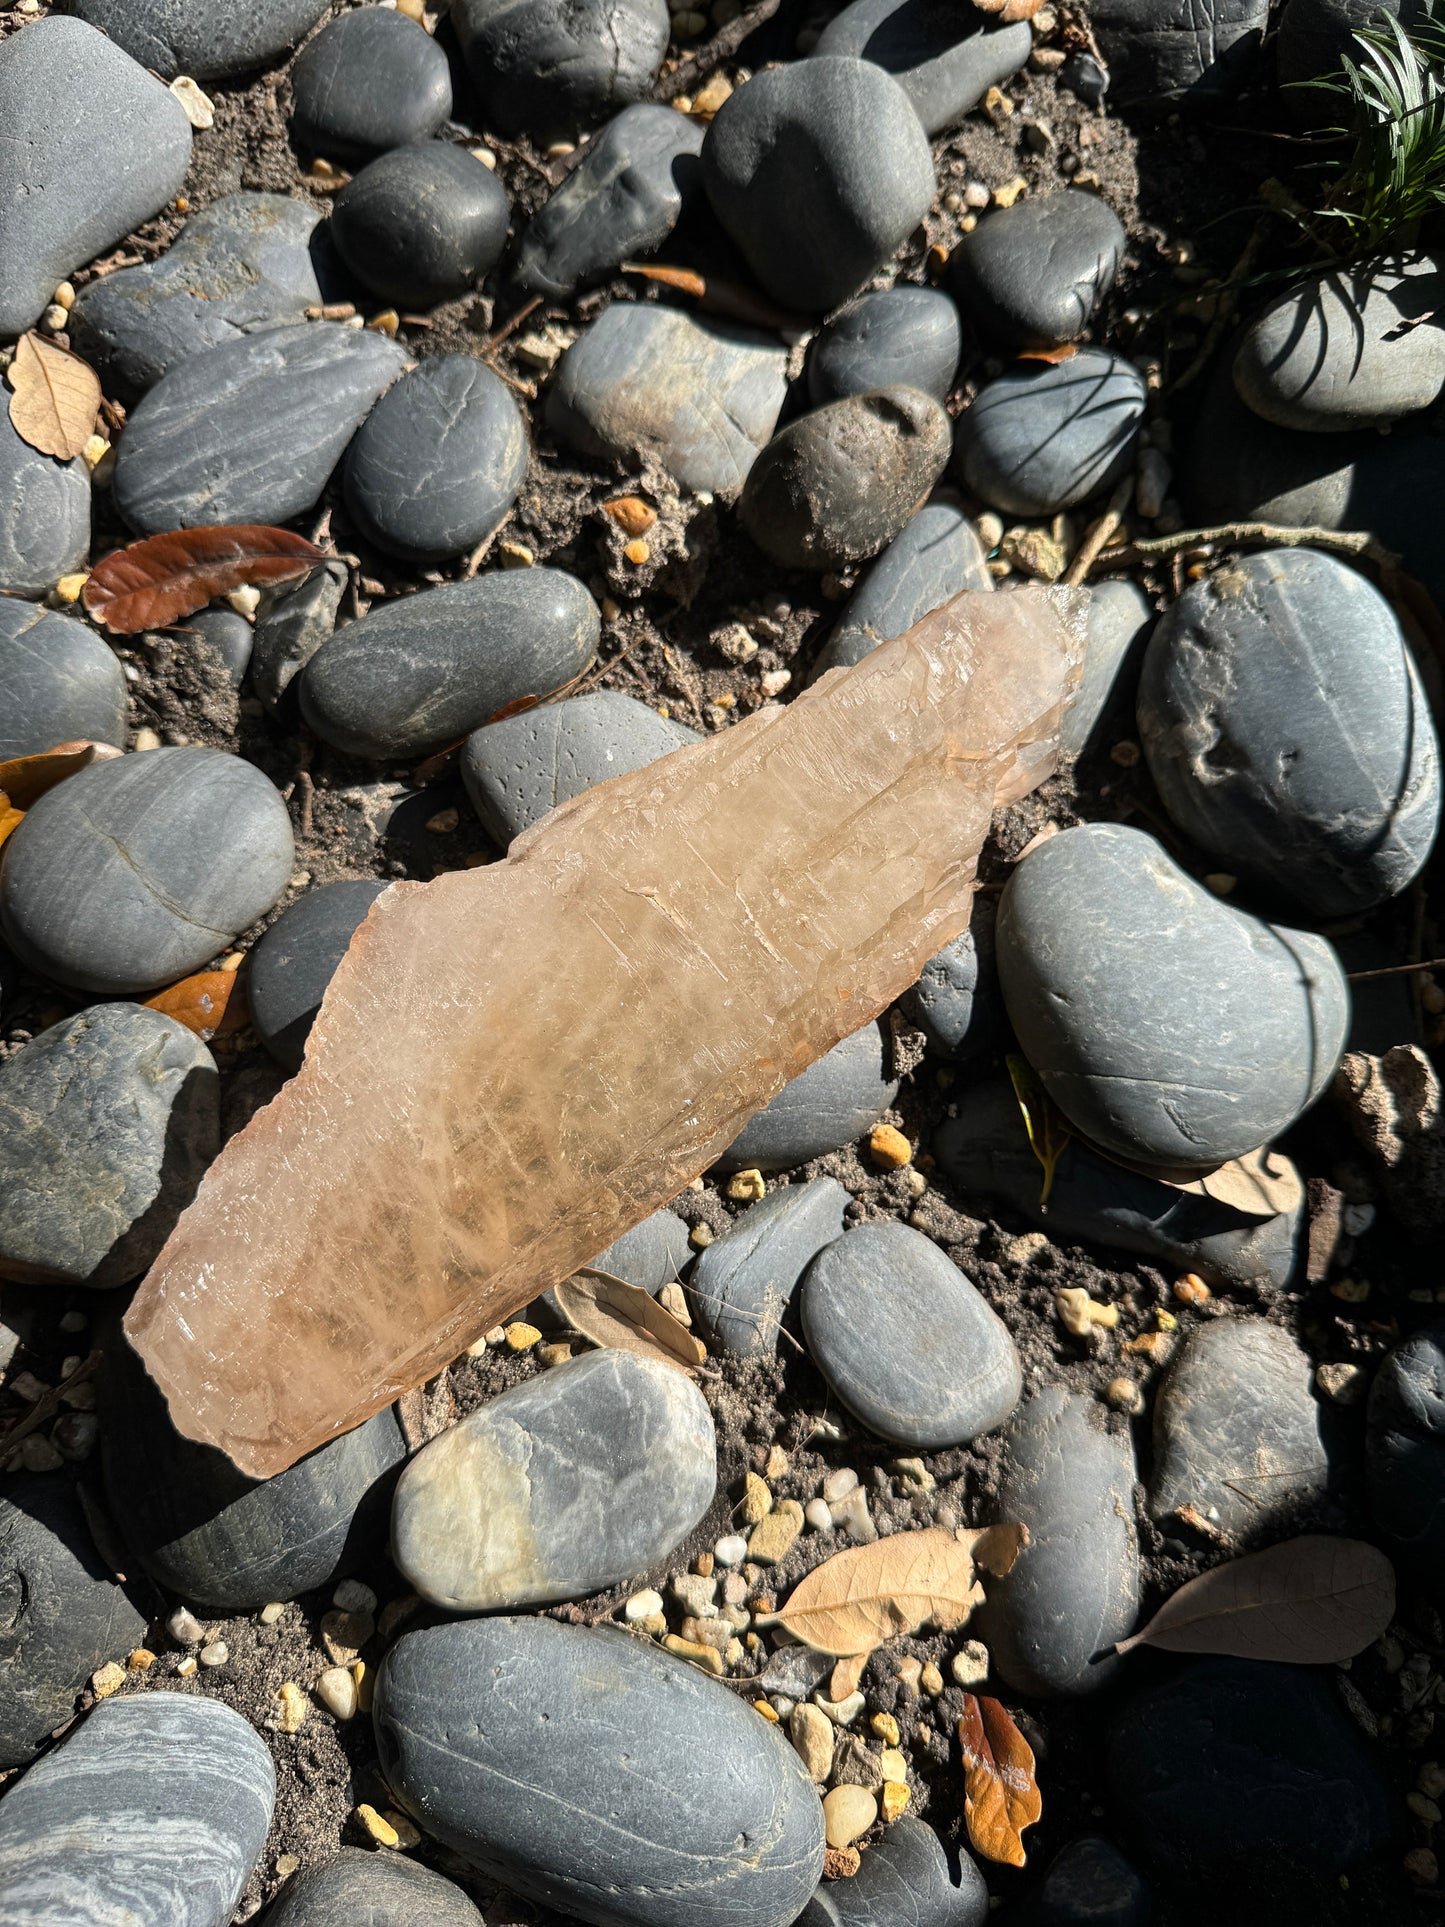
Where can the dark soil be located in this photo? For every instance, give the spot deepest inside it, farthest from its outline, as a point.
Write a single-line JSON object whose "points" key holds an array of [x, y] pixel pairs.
{"points": [[1188, 196]]}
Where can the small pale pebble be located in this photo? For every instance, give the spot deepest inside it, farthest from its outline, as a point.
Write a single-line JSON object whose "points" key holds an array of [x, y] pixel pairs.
{"points": [[747, 1187], [852, 1515], [811, 1732], [885, 1728], [848, 1812], [1431, 1779], [105, 1680], [782, 1705], [1024, 1249], [381, 1831], [700, 1237], [915, 1472], [909, 1672], [731, 1551], [1423, 1809], [895, 1798], [716, 1632], [37, 1454], [187, 1667], [477, 1348], [969, 1664], [54, 319], [184, 1628], [774, 681], [551, 1355], [146, 739], [497, 1335], [839, 1484], [841, 1712], [444, 822], [734, 1588], [889, 1148], [757, 1500], [642, 1605], [336, 1690], [344, 1634], [707, 1657], [521, 1338], [1079, 1313], [1422, 1866], [485, 155], [74, 1321], [893, 1766], [1124, 1395], [245, 600], [976, 195], [1357, 1219], [214, 1654], [735, 1652], [286, 1865], [268, 1615], [673, 1299], [777, 1463], [515, 555], [141, 1660], [292, 1707], [773, 1538], [694, 1593], [763, 1707], [1006, 195], [818, 1515], [74, 1435], [931, 1680], [738, 645], [1345, 1384], [199, 110], [351, 1596]]}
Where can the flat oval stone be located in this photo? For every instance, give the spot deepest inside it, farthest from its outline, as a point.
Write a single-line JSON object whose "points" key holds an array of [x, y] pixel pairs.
{"points": [[1338, 352], [1237, 1431], [438, 462], [944, 61], [744, 1281], [1233, 1772], [648, 383], [935, 556], [421, 224], [1239, 467], [212, 43], [108, 1120], [537, 66], [370, 80], [518, 769], [905, 1880], [44, 514], [297, 958], [1031, 275], [1172, 1029], [1091, 1884], [650, 1255], [246, 263], [1050, 1625], [488, 1729], [196, 1787], [622, 200], [251, 430], [419, 673], [1041, 437], [1405, 1450], [835, 486], [1205, 52], [360, 1889], [985, 1150], [835, 1100], [61, 1613], [901, 337], [223, 1541], [1119, 621], [1289, 734], [136, 871], [59, 683], [906, 1341], [560, 1487], [819, 171], [94, 146]]}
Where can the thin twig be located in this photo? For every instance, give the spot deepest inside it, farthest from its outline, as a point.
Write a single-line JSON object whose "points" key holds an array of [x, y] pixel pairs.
{"points": [[1360, 542], [601, 668], [494, 341], [1394, 970], [1098, 537], [45, 1405], [724, 43]]}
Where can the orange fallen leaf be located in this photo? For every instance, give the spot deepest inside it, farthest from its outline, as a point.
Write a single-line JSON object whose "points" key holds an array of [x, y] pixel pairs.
{"points": [[1007, 11], [211, 1003], [10, 817], [25, 779], [156, 582], [730, 299], [846, 1675], [1055, 355], [1001, 1796], [56, 397]]}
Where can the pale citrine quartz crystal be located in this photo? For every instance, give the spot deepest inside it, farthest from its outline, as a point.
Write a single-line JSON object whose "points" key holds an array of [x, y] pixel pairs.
{"points": [[515, 1064]]}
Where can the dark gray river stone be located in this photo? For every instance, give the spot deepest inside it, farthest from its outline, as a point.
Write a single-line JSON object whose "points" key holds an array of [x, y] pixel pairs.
{"points": [[934, 557], [137, 871], [1119, 621], [558, 1488], [227, 1543], [208, 43], [360, 1889], [648, 383], [421, 672], [819, 171], [956, 1001], [156, 1808], [61, 1612], [906, 1341], [1232, 1772], [1050, 1625], [230, 635], [906, 1880], [839, 1097], [1405, 1452], [837, 484], [1043, 437], [1172, 1029], [370, 80], [1311, 37], [744, 1281], [944, 57], [246, 263], [251, 430], [986, 1151], [421, 224], [59, 683], [1239, 467], [538, 67], [901, 337], [94, 146], [44, 516], [291, 625], [438, 462], [1090, 1884], [621, 201], [1289, 734], [1203, 52], [650, 1255], [107, 1123], [518, 769], [1339, 352], [1238, 1431], [565, 1762], [1031, 275], [297, 958]]}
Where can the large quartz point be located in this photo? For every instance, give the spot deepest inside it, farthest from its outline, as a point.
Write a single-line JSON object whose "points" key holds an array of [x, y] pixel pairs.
{"points": [[513, 1065]]}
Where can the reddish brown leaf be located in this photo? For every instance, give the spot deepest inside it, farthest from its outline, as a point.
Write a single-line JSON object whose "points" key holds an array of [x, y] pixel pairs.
{"points": [[10, 817], [211, 1003], [683, 279], [1001, 1796], [156, 582], [25, 779], [1055, 355]]}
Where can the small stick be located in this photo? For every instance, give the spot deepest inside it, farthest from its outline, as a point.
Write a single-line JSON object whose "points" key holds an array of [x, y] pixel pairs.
{"points": [[45, 1405], [1268, 535], [494, 341], [1097, 538], [1394, 970], [714, 52]]}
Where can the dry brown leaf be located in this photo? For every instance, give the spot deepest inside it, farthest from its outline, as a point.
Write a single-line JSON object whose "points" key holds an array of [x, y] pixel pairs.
{"points": [[1007, 11], [211, 1003], [731, 299], [1311, 1602], [859, 1598], [1261, 1184], [156, 582], [1054, 356], [56, 397], [10, 817], [846, 1675], [1000, 1794], [25, 779], [625, 1318]]}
